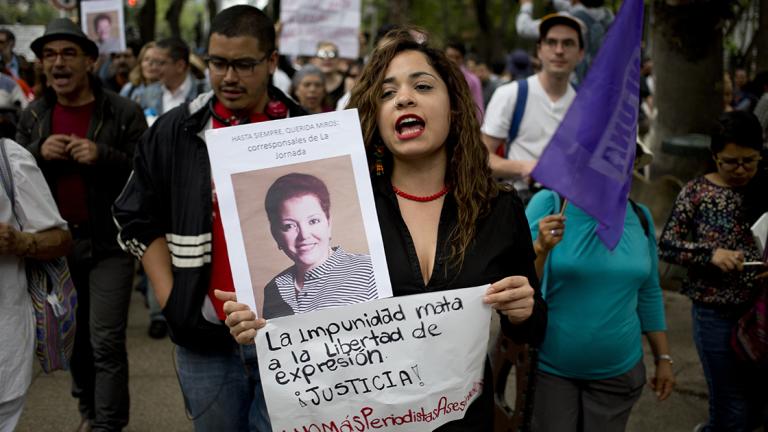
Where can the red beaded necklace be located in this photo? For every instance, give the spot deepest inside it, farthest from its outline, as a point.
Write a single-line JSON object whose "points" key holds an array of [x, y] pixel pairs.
{"points": [[427, 198]]}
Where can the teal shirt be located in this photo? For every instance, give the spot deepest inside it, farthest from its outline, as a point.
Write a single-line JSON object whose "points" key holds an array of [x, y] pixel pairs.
{"points": [[599, 301]]}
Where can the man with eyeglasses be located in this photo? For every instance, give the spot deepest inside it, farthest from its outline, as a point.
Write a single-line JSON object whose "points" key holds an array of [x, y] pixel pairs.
{"points": [[169, 218], [177, 85], [83, 137], [593, 14], [522, 116]]}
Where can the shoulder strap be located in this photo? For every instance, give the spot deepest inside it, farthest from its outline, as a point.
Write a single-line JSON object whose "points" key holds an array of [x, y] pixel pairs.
{"points": [[6, 176], [641, 215], [517, 113]]}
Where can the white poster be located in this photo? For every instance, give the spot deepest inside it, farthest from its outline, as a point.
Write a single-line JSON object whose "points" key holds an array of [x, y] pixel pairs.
{"points": [[307, 22], [102, 21], [407, 363], [24, 34], [298, 213]]}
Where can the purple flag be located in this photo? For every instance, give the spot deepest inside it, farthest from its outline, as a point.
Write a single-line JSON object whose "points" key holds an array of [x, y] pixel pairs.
{"points": [[589, 159]]}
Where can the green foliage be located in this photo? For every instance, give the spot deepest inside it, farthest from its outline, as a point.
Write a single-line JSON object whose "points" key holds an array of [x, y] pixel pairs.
{"points": [[453, 19], [162, 29], [189, 18], [28, 12]]}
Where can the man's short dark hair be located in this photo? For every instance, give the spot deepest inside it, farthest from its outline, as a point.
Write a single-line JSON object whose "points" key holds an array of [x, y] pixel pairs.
{"points": [[177, 48], [243, 20], [101, 17], [11, 36]]}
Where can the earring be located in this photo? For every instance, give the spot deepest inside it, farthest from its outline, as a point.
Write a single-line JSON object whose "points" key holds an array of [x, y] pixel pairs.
{"points": [[379, 164]]}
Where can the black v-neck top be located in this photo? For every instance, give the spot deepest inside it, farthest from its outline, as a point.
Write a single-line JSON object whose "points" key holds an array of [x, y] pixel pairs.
{"points": [[502, 248]]}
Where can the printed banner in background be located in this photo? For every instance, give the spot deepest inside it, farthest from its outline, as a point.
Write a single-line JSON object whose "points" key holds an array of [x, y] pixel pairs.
{"points": [[307, 22], [25, 34], [398, 364]]}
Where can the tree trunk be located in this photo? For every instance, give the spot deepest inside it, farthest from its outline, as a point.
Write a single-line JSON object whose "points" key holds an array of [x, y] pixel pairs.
{"points": [[212, 10], [762, 38], [687, 56], [173, 16], [147, 21], [485, 42]]}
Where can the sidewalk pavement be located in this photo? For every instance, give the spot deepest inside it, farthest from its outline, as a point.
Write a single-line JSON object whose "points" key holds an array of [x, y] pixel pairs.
{"points": [[157, 404]]}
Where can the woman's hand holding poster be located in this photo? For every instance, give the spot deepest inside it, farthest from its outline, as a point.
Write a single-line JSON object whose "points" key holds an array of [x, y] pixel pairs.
{"points": [[303, 240]]}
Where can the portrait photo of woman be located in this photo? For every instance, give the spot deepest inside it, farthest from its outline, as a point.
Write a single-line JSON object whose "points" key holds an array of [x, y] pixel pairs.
{"points": [[323, 275], [306, 241]]}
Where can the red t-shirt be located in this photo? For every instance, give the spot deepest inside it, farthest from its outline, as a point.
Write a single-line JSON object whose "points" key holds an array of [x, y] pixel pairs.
{"points": [[221, 272], [71, 193]]}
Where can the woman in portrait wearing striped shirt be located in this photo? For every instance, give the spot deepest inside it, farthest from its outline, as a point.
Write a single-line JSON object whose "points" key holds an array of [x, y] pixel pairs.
{"points": [[298, 208]]}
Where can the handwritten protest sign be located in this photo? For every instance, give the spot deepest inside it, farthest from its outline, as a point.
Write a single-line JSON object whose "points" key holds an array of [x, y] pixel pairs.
{"points": [[307, 22], [398, 364], [265, 175]]}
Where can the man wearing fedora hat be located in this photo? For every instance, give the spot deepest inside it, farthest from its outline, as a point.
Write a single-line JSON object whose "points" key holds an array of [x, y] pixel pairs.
{"points": [[83, 138]]}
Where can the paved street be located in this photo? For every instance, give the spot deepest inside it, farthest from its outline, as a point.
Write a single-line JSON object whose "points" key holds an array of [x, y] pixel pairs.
{"points": [[157, 405]]}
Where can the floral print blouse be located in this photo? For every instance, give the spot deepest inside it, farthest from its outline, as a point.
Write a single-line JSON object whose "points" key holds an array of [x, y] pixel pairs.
{"points": [[706, 217]]}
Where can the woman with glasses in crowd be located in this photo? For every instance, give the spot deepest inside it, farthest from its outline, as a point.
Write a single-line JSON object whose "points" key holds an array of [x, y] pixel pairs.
{"points": [[147, 71], [709, 233], [445, 222]]}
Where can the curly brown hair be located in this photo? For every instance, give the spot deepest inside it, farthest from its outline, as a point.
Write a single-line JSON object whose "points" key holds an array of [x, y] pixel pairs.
{"points": [[467, 172]]}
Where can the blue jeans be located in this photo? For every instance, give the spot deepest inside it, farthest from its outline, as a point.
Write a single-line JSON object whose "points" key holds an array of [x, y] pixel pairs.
{"points": [[735, 401], [223, 392]]}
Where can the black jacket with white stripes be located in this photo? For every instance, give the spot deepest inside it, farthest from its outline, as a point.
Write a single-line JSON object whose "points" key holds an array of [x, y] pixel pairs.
{"points": [[169, 195]]}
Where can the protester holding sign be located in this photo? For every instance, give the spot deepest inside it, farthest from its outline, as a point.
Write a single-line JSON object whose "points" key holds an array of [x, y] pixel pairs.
{"points": [[298, 207], [709, 233], [445, 222]]}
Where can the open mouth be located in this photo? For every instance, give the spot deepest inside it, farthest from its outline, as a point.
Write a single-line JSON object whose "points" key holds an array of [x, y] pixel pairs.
{"points": [[409, 126], [61, 78]]}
